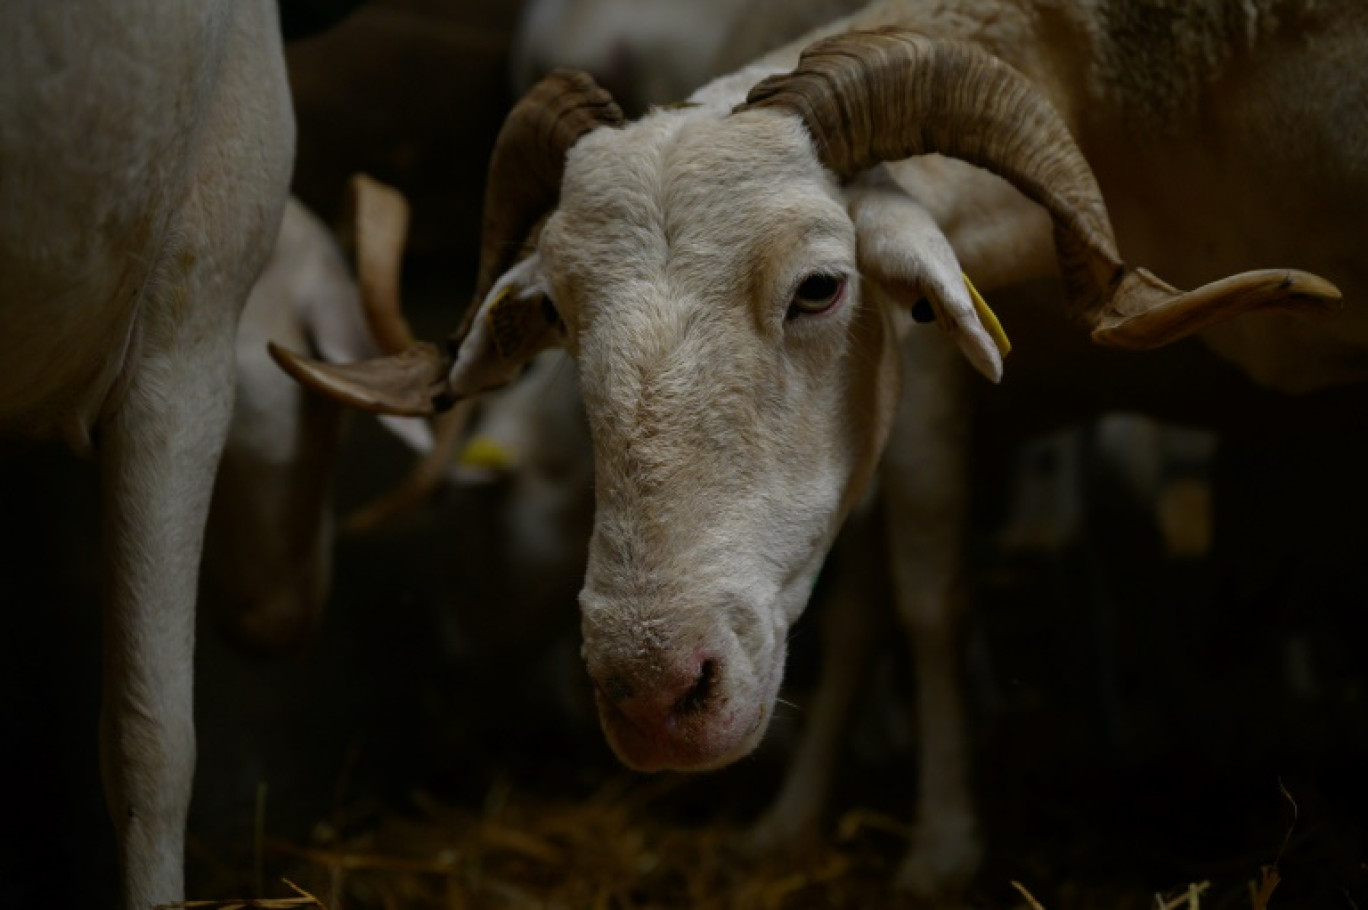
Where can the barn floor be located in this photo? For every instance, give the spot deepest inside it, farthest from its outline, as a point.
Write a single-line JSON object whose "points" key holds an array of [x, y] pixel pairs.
{"points": [[526, 813], [1135, 722], [628, 843], [1106, 774]]}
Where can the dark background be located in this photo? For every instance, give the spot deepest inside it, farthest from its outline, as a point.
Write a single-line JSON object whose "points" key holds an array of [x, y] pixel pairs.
{"points": [[1134, 715]]}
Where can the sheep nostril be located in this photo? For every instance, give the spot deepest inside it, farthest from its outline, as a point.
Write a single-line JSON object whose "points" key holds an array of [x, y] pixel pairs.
{"points": [[697, 697]]}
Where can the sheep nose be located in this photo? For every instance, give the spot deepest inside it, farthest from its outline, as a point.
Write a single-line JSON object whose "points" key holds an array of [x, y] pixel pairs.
{"points": [[655, 699]]}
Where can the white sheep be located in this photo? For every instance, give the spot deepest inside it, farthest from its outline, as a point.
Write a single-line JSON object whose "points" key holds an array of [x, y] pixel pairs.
{"points": [[531, 438], [147, 151], [268, 550], [645, 52], [733, 278], [655, 51], [535, 429]]}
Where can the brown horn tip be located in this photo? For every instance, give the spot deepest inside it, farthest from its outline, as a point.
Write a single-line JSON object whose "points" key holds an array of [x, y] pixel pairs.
{"points": [[410, 384], [1144, 312], [378, 219]]}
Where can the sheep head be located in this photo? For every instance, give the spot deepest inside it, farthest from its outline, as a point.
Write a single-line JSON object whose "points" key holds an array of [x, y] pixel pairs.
{"points": [[733, 285]]}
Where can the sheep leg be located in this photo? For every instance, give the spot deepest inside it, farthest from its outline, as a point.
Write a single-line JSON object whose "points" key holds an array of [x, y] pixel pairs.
{"points": [[925, 492], [158, 451], [851, 621]]}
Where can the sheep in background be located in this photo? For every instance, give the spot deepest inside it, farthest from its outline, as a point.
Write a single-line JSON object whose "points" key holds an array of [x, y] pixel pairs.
{"points": [[269, 539], [645, 52], [532, 439], [1159, 466], [761, 26], [740, 389], [268, 552], [657, 51]]}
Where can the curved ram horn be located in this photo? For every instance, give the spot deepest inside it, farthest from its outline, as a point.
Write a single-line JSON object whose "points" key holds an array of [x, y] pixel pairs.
{"points": [[867, 97], [412, 383], [528, 162], [523, 186], [378, 222]]}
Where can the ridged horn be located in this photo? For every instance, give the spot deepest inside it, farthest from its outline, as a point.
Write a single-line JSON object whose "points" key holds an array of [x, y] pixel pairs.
{"points": [[378, 219], [524, 183], [528, 162], [890, 94]]}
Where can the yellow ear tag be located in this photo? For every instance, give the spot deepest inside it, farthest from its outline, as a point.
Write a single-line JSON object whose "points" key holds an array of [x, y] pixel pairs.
{"points": [[988, 318], [483, 452]]}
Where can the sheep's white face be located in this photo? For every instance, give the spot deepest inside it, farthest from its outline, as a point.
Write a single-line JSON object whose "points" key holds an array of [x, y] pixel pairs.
{"points": [[706, 275], [739, 379]]}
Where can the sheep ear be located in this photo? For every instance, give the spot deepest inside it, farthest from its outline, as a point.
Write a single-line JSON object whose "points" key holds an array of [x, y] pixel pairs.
{"points": [[515, 322], [904, 252]]}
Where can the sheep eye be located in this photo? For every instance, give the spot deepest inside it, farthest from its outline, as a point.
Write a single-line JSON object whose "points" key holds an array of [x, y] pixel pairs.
{"points": [[817, 293]]}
